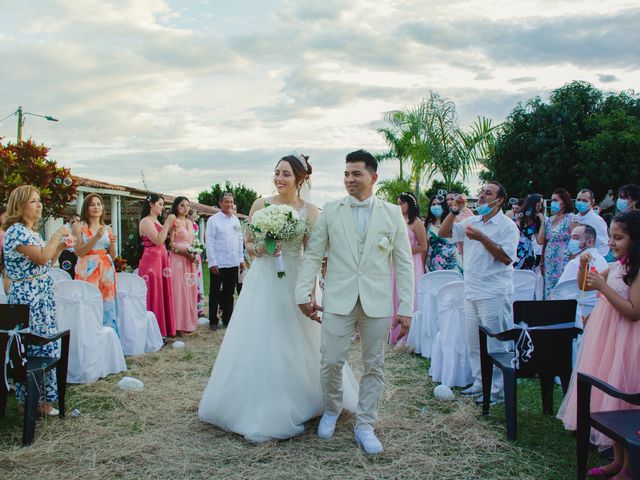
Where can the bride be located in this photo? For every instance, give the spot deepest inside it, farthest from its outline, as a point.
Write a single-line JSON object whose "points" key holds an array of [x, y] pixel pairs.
{"points": [[265, 382]]}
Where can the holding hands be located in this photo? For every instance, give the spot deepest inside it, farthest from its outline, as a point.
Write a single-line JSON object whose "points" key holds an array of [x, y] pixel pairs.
{"points": [[311, 310]]}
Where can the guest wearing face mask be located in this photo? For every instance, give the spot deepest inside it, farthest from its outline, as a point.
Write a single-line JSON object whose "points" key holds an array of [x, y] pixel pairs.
{"points": [[555, 254], [442, 253], [583, 239], [531, 224], [585, 202], [490, 242], [628, 196]]}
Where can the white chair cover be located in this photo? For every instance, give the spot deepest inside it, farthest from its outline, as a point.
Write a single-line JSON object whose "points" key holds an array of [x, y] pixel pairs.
{"points": [[539, 286], [139, 331], [3, 296], [430, 285], [450, 357], [416, 322], [94, 350], [59, 274], [524, 285], [569, 290]]}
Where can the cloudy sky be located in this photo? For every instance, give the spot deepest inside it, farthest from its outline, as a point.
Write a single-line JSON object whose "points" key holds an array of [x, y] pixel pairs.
{"points": [[197, 92]]}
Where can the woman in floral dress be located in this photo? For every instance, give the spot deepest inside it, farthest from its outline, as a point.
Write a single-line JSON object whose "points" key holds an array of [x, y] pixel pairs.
{"points": [[96, 249], [531, 223], [558, 233], [442, 254], [27, 261]]}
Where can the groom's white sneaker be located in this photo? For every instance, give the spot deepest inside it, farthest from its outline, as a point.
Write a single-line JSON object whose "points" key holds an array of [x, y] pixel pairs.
{"points": [[368, 441], [327, 425]]}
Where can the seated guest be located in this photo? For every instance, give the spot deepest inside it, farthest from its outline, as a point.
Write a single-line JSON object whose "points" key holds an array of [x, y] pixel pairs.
{"points": [[628, 196], [585, 202], [583, 238]]}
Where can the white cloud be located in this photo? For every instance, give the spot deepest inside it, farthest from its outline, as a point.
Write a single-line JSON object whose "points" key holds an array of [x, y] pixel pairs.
{"points": [[195, 93]]}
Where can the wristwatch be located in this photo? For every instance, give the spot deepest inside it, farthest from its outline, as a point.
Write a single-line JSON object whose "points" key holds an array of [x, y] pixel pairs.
{"points": [[454, 211]]}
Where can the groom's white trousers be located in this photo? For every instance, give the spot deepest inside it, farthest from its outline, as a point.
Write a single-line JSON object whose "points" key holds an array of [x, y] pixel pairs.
{"points": [[335, 343]]}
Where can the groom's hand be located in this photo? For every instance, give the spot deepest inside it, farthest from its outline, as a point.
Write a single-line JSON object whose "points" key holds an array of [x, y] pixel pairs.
{"points": [[311, 310], [405, 324]]}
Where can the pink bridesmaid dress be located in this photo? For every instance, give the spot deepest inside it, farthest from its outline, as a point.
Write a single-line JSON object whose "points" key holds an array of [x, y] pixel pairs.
{"points": [[184, 282], [155, 271], [610, 351], [418, 271]]}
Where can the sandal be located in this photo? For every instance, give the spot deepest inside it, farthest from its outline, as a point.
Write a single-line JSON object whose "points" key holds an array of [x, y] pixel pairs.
{"points": [[606, 471]]}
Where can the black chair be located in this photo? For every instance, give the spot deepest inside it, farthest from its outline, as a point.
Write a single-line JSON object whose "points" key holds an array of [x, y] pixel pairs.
{"points": [[32, 372], [551, 356], [623, 426]]}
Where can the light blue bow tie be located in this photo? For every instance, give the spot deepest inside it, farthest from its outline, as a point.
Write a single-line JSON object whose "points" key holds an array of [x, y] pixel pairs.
{"points": [[358, 204]]}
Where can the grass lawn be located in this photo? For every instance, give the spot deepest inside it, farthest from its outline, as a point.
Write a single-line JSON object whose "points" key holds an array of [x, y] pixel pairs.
{"points": [[156, 433]]}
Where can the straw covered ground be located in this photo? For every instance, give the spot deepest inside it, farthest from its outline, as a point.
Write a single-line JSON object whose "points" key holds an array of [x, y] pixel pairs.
{"points": [[156, 433]]}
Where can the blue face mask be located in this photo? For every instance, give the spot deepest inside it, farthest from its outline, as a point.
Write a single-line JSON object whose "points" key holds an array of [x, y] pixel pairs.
{"points": [[622, 204], [555, 207], [436, 210], [582, 206], [574, 246], [484, 208]]}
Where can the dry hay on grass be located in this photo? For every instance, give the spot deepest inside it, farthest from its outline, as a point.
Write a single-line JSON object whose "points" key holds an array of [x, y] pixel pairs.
{"points": [[156, 433]]}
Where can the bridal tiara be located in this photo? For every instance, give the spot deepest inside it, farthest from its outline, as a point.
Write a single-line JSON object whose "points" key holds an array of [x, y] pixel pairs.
{"points": [[301, 159]]}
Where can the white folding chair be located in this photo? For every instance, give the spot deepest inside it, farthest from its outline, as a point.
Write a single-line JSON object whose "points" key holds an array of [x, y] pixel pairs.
{"points": [[94, 350], [450, 356], [59, 274], [139, 331], [524, 285], [432, 283]]}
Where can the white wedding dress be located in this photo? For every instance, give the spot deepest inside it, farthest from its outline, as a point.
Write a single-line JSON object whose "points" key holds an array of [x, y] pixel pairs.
{"points": [[265, 382]]}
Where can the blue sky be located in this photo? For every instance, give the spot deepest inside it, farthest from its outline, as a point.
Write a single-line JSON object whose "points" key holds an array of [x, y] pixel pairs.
{"points": [[194, 93]]}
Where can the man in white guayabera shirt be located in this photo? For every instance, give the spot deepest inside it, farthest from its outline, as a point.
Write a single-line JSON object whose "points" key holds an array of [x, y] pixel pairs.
{"points": [[490, 241], [223, 240], [586, 216]]}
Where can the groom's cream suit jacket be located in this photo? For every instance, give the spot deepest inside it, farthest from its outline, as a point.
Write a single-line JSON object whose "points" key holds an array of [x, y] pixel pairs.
{"points": [[351, 275]]}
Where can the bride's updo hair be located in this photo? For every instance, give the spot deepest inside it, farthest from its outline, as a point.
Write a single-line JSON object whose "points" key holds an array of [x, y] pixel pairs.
{"points": [[300, 166]]}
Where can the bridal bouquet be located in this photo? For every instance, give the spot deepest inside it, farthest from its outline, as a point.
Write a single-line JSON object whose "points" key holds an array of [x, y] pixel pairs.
{"points": [[196, 247], [276, 223]]}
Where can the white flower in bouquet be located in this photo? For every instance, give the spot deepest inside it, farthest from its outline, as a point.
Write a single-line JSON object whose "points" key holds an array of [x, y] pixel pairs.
{"points": [[277, 223], [196, 247]]}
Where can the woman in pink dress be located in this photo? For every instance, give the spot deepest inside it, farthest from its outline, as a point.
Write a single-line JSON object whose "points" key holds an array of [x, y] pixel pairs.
{"points": [[610, 347], [154, 265], [184, 279], [418, 240]]}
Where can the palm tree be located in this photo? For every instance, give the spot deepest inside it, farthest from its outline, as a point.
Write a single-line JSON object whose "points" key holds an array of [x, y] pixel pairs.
{"points": [[429, 137]]}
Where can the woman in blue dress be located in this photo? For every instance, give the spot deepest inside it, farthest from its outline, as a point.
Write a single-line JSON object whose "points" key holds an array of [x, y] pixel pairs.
{"points": [[27, 260]]}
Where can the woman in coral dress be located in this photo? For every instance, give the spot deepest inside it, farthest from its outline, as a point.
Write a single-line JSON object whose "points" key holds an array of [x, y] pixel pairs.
{"points": [[154, 265], [418, 240], [610, 347], [184, 278], [96, 248]]}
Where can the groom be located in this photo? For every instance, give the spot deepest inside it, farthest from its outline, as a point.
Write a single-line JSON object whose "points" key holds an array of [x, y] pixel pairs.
{"points": [[363, 238]]}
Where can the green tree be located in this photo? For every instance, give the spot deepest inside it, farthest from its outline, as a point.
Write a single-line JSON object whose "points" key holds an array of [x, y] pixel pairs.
{"points": [[242, 195], [26, 163], [391, 189], [580, 138]]}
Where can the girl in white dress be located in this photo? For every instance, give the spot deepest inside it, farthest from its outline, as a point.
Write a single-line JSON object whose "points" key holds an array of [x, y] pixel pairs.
{"points": [[265, 382]]}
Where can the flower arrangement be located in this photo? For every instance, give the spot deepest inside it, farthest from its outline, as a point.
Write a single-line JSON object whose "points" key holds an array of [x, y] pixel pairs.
{"points": [[196, 247], [386, 243], [277, 223], [120, 264]]}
